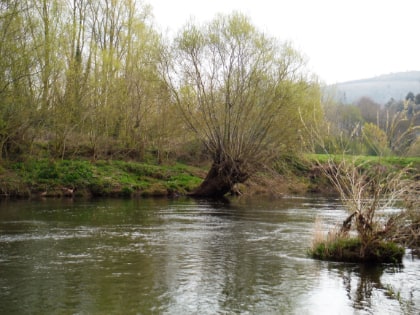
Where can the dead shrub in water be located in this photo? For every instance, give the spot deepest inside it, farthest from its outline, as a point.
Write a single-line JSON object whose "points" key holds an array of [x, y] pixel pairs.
{"points": [[366, 192]]}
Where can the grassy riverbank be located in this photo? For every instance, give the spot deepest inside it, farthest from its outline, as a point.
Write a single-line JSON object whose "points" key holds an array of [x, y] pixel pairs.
{"points": [[49, 178], [101, 178]]}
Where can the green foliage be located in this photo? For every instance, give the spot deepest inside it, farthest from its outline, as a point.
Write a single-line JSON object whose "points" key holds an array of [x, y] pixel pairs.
{"points": [[369, 128], [82, 94], [100, 92], [414, 149], [247, 95]]}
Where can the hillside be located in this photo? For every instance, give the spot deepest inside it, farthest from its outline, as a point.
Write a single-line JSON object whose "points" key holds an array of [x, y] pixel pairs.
{"points": [[380, 89]]}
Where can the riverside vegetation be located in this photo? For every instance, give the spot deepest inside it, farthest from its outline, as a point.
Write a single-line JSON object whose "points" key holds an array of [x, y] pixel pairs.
{"points": [[366, 189], [118, 178], [114, 107]]}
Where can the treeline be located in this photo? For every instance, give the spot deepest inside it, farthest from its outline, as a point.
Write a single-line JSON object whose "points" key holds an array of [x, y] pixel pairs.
{"points": [[96, 79], [82, 77], [368, 128]]}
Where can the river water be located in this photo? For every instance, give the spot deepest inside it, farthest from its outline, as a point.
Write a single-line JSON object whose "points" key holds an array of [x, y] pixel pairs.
{"points": [[183, 256]]}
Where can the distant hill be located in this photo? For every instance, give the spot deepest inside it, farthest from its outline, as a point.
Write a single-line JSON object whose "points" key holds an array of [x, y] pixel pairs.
{"points": [[380, 89]]}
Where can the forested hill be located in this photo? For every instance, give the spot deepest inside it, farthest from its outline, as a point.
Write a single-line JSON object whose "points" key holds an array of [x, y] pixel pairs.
{"points": [[380, 89]]}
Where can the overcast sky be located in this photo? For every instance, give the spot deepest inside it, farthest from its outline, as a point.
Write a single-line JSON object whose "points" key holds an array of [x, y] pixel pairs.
{"points": [[342, 39]]}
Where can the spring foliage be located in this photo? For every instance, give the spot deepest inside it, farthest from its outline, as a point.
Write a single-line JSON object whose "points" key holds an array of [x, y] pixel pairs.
{"points": [[240, 92]]}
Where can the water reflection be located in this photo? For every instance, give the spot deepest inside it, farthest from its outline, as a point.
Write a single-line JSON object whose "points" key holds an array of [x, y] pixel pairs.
{"points": [[185, 257], [360, 284], [363, 289]]}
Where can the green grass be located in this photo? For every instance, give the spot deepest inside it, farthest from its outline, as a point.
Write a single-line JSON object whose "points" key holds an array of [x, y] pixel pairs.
{"points": [[105, 178], [385, 160], [125, 178], [352, 250], [368, 163], [46, 172]]}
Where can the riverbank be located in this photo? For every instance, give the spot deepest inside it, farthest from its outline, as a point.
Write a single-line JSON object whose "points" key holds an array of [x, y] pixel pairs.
{"points": [[82, 178], [108, 178]]}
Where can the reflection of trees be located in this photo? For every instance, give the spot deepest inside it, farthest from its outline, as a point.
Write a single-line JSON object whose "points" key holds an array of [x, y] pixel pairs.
{"points": [[368, 279], [91, 258], [230, 264], [196, 258], [362, 281]]}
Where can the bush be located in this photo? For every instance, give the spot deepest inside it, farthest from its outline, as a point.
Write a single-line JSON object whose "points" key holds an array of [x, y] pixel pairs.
{"points": [[365, 188]]}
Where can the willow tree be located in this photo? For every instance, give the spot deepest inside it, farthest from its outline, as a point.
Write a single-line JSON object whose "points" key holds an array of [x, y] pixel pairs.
{"points": [[236, 89]]}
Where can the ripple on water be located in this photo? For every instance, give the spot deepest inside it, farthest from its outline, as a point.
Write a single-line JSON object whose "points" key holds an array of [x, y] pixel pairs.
{"points": [[54, 234], [188, 258]]}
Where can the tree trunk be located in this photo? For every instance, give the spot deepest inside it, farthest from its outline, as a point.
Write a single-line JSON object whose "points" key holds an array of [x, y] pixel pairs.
{"points": [[220, 180]]}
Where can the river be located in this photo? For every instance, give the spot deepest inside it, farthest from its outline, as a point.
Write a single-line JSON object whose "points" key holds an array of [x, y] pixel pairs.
{"points": [[183, 256]]}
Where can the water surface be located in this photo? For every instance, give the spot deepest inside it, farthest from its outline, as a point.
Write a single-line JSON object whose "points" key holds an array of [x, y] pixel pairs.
{"points": [[186, 257]]}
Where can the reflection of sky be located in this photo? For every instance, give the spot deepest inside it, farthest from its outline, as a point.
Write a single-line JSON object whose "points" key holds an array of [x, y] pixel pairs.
{"points": [[350, 289], [241, 261], [328, 297], [252, 262]]}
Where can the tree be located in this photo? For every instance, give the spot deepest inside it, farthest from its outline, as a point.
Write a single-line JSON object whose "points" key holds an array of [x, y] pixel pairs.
{"points": [[369, 110], [417, 99], [126, 92], [350, 119], [410, 97], [17, 88], [68, 111], [236, 88], [81, 77]]}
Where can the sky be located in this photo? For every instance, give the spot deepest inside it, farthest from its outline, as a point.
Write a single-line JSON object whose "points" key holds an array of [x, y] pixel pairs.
{"points": [[342, 40]]}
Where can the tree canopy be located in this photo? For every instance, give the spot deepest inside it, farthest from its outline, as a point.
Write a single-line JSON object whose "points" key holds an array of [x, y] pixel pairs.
{"points": [[241, 92], [80, 77]]}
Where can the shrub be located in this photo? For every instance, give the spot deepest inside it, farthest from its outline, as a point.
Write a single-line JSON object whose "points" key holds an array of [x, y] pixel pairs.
{"points": [[365, 189]]}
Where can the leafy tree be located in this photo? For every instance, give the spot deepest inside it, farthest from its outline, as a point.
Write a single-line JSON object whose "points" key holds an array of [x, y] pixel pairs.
{"points": [[122, 93], [236, 89], [81, 76]]}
